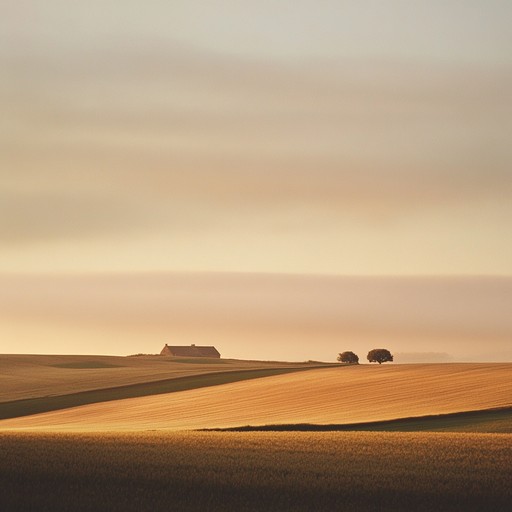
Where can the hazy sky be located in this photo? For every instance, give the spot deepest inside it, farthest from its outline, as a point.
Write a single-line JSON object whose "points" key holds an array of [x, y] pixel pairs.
{"points": [[259, 316], [193, 146], [337, 137]]}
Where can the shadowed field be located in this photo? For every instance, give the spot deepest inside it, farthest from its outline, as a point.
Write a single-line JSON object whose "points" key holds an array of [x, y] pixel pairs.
{"points": [[192, 471], [342, 395], [497, 421]]}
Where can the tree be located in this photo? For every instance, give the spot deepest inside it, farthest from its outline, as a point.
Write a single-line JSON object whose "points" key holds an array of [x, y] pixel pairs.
{"points": [[379, 355], [348, 357]]}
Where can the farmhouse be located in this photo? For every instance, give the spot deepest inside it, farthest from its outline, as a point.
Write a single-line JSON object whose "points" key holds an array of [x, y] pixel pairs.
{"points": [[190, 351]]}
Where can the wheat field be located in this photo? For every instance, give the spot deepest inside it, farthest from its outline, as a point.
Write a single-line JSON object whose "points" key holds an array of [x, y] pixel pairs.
{"points": [[84, 458], [191, 471], [32, 376], [346, 394]]}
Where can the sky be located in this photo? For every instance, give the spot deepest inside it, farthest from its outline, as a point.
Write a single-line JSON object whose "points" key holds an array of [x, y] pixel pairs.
{"points": [[337, 138], [299, 137], [259, 316]]}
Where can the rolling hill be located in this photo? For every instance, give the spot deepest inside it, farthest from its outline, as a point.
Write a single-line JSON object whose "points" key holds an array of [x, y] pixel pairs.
{"points": [[341, 395], [34, 376]]}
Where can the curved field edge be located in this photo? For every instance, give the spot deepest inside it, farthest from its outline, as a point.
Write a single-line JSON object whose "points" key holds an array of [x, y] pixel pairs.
{"points": [[27, 407], [258, 471], [495, 421]]}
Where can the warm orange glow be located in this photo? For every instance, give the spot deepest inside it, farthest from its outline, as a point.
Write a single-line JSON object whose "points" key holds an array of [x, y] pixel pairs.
{"points": [[336, 396]]}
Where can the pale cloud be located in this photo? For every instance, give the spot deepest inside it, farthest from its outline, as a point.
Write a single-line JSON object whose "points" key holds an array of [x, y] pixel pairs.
{"points": [[171, 142]]}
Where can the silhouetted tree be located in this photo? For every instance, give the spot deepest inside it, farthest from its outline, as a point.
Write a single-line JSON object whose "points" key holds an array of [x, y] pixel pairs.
{"points": [[379, 355], [348, 357]]}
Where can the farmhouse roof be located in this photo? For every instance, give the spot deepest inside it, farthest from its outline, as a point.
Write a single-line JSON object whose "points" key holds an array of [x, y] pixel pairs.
{"points": [[192, 351]]}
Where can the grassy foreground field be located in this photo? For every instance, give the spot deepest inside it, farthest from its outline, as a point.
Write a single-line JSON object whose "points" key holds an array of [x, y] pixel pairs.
{"points": [[342, 395], [196, 471]]}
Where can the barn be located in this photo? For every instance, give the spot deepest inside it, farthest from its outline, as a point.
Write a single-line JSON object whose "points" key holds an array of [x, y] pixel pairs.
{"points": [[190, 351]]}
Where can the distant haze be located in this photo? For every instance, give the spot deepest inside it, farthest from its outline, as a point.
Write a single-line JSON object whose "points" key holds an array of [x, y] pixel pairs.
{"points": [[259, 316]]}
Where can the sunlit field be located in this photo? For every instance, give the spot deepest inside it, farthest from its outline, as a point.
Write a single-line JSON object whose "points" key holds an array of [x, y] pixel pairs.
{"points": [[255, 472], [141, 453], [33, 376], [341, 395], [48, 383]]}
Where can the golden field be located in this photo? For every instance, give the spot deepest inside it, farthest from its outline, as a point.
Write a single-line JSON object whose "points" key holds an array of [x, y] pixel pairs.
{"points": [[32, 376], [139, 454], [341, 395], [192, 471]]}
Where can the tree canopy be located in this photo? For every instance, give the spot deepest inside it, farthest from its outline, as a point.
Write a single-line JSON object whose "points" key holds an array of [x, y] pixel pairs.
{"points": [[379, 355], [348, 357]]}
